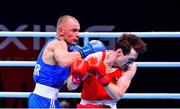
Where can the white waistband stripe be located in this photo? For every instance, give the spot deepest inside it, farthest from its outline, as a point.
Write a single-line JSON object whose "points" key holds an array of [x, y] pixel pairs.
{"points": [[46, 91]]}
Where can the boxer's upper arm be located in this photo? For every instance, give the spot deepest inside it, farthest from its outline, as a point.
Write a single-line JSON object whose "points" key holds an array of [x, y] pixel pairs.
{"points": [[125, 80], [60, 52], [129, 74], [63, 56]]}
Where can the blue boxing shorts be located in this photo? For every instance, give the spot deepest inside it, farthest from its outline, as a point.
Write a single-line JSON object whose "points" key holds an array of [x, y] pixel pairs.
{"points": [[36, 101], [44, 97]]}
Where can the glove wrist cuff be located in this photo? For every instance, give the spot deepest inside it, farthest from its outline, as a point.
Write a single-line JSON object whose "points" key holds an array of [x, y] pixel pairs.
{"points": [[76, 80], [104, 80]]}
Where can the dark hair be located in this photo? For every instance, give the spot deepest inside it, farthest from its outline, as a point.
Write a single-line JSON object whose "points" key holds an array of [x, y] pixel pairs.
{"points": [[128, 41]]}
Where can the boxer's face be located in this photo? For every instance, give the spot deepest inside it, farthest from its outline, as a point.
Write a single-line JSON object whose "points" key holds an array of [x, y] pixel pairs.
{"points": [[124, 60], [70, 31]]}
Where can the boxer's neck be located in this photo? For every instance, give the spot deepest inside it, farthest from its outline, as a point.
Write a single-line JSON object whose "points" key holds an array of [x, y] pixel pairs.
{"points": [[109, 61]]}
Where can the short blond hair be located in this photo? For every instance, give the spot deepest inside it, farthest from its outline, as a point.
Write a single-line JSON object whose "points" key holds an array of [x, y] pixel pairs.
{"points": [[61, 21]]}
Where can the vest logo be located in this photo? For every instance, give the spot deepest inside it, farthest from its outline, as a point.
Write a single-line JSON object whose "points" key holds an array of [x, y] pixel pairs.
{"points": [[114, 79], [37, 69]]}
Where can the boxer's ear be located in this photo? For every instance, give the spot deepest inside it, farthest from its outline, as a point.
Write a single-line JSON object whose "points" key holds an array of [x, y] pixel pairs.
{"points": [[119, 52], [60, 31]]}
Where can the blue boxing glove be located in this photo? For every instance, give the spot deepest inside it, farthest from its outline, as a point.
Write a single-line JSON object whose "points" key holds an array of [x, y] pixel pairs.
{"points": [[91, 47], [73, 47]]}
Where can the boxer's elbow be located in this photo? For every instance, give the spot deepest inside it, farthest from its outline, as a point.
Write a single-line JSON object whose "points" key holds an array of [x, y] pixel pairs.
{"points": [[117, 97], [71, 87]]}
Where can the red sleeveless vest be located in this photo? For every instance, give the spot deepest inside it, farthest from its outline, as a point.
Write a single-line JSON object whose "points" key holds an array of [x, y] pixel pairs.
{"points": [[93, 90]]}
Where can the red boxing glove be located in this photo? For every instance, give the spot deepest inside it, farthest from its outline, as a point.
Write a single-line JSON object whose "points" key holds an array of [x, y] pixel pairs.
{"points": [[78, 70], [94, 64]]}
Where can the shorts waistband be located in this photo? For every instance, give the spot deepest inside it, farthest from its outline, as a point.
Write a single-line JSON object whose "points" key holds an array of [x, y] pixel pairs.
{"points": [[46, 91], [111, 103]]}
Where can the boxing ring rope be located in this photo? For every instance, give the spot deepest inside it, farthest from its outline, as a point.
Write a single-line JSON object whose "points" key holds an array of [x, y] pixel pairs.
{"points": [[86, 36], [78, 95], [139, 64]]}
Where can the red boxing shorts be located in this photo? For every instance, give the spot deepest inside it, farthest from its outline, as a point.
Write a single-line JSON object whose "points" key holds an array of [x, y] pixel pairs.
{"points": [[80, 106]]}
